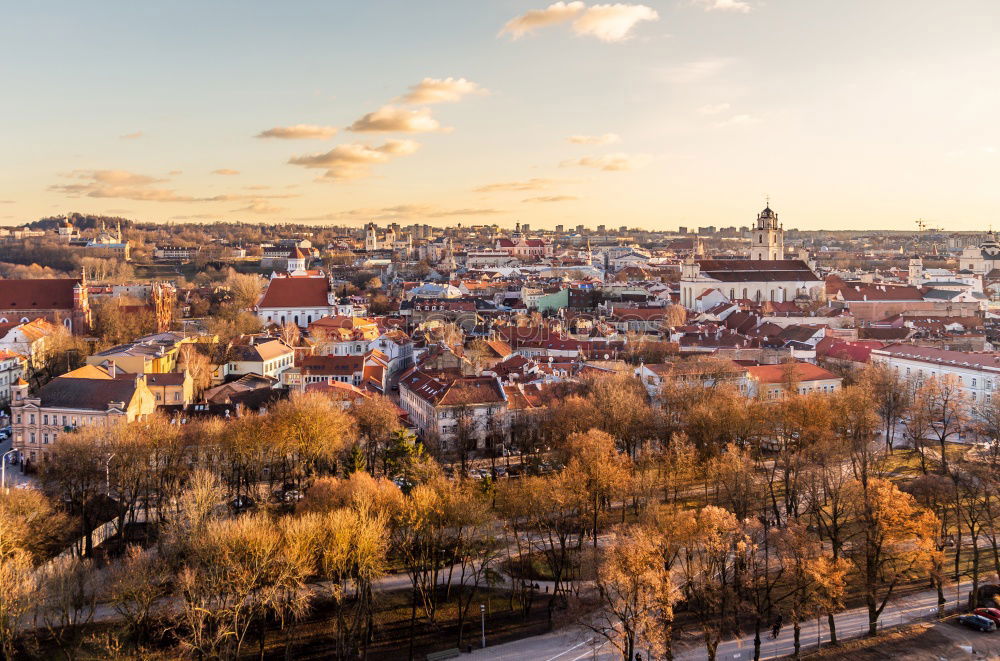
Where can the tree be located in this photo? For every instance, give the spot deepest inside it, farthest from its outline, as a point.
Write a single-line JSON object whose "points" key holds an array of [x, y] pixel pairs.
{"points": [[377, 421], [312, 432], [76, 473], [197, 365], [893, 539], [891, 396], [816, 581], [236, 571], [635, 589], [66, 600], [245, 288], [30, 524], [948, 410], [597, 469], [708, 563], [918, 424], [18, 592], [135, 585]]}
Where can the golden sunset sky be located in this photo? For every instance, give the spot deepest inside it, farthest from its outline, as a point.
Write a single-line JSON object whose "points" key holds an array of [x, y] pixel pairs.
{"points": [[850, 114]]}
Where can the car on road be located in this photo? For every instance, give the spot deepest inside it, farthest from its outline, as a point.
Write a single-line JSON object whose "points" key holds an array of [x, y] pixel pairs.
{"points": [[990, 613], [977, 622]]}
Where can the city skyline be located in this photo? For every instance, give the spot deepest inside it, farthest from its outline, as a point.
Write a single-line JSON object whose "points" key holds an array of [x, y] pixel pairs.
{"points": [[652, 115]]}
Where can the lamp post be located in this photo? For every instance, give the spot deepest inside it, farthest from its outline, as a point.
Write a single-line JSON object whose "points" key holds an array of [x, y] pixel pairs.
{"points": [[3, 468], [107, 475], [482, 618]]}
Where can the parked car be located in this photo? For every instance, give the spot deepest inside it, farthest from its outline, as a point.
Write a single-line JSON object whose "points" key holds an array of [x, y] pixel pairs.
{"points": [[977, 622], [242, 504], [991, 613]]}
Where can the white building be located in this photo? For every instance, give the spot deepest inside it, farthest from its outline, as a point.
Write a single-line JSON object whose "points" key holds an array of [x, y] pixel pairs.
{"points": [[983, 258], [13, 366], [977, 374], [296, 299], [440, 409], [266, 356]]}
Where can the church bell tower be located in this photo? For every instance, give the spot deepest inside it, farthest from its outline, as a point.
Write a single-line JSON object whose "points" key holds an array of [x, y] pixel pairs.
{"points": [[768, 240]]}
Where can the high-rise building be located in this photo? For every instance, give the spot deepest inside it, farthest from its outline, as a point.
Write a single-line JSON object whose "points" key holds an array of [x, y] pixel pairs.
{"points": [[682, 230]]}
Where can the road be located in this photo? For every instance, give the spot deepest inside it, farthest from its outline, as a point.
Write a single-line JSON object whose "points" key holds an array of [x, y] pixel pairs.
{"points": [[574, 644]]}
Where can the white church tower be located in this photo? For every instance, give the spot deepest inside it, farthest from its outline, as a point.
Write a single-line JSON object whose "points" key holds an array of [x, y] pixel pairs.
{"points": [[768, 240], [371, 238]]}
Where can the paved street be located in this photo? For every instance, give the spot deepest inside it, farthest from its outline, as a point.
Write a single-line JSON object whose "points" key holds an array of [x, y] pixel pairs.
{"points": [[14, 477], [572, 644]]}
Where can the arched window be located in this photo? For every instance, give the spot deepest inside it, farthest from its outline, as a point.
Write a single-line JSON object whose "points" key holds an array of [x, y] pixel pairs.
{"points": [[24, 320], [3, 320]]}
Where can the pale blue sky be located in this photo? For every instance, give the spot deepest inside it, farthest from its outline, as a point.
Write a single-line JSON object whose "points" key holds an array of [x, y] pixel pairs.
{"points": [[850, 114]]}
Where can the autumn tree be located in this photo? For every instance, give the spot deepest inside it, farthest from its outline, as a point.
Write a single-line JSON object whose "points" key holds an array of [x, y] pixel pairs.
{"points": [[891, 397], [594, 464], [377, 420], [75, 472], [893, 540], [948, 409], [245, 288], [815, 580], [708, 565], [634, 589], [197, 365]]}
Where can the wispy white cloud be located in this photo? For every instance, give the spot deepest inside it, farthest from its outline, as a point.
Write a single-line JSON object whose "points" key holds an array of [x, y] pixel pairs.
{"points": [[226, 172], [605, 139], [695, 71], [393, 119], [441, 90], [405, 211], [537, 183], [739, 6], [612, 23], [126, 185], [551, 198], [714, 108], [131, 136], [259, 206], [611, 162], [353, 161], [607, 22], [299, 132], [531, 20], [739, 120]]}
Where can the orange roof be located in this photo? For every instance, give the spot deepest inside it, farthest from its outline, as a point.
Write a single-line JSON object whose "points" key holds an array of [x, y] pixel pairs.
{"points": [[776, 373]]}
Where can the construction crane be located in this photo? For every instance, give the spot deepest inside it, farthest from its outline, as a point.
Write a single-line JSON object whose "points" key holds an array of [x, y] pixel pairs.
{"points": [[924, 227]]}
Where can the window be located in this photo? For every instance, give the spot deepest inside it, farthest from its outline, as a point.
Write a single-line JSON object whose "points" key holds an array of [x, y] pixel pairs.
{"points": [[31, 419], [973, 383]]}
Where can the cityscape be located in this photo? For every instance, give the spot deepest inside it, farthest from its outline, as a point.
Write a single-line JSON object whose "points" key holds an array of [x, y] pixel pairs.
{"points": [[502, 331]]}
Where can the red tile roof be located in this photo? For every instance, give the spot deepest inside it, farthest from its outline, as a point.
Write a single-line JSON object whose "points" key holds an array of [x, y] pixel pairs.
{"points": [[42, 294], [803, 372], [296, 293]]}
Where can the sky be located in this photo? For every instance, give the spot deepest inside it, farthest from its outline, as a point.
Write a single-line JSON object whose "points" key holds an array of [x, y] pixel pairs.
{"points": [[847, 114]]}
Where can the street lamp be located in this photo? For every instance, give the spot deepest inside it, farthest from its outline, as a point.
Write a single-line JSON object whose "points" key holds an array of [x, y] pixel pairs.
{"points": [[107, 475], [3, 468], [482, 617]]}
